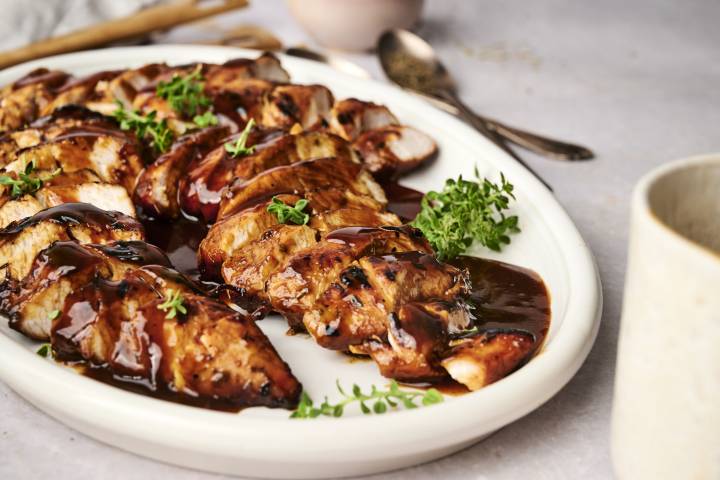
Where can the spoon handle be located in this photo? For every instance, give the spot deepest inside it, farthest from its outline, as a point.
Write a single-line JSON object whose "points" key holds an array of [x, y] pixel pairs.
{"points": [[548, 147], [477, 122]]}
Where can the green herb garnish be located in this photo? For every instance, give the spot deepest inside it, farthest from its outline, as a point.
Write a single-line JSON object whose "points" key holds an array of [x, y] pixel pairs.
{"points": [[173, 304], [465, 211], [376, 401], [24, 183], [44, 350], [470, 332], [145, 126], [239, 148], [185, 93], [287, 214], [207, 119]]}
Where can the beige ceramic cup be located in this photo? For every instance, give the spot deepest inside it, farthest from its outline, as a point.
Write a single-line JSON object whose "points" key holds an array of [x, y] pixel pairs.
{"points": [[353, 25], [666, 414]]}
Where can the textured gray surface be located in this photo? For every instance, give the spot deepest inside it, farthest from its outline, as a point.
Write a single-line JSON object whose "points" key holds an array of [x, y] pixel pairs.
{"points": [[637, 81]]}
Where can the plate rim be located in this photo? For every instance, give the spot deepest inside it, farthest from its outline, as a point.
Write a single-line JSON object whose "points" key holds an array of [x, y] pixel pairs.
{"points": [[545, 374]]}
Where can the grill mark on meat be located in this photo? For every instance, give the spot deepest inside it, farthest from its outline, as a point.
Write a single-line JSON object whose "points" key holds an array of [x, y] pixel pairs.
{"points": [[286, 105], [354, 276]]}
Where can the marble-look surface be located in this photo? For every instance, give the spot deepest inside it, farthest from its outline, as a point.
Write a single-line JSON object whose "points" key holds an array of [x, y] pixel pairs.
{"points": [[637, 81]]}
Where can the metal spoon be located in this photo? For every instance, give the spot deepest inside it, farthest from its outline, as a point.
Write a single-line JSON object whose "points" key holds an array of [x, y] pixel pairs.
{"points": [[412, 63]]}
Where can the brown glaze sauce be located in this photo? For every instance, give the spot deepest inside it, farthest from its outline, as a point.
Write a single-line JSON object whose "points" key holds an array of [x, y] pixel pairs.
{"points": [[75, 214], [89, 80], [402, 201], [91, 131], [52, 78], [71, 112], [507, 297], [160, 391], [209, 179], [136, 251], [69, 256], [179, 240], [504, 297], [359, 235]]}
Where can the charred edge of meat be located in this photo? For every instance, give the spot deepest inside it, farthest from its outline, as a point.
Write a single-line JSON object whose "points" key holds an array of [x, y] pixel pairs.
{"points": [[51, 78], [69, 214], [72, 112], [89, 81]]}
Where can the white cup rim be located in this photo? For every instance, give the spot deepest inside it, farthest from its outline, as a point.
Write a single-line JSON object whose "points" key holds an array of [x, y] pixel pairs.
{"points": [[641, 198]]}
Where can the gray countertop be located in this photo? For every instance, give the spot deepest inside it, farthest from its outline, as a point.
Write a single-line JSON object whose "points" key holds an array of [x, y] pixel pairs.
{"points": [[636, 81]]}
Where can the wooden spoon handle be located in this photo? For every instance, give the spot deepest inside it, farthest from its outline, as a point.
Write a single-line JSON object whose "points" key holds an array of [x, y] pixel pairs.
{"points": [[148, 20]]}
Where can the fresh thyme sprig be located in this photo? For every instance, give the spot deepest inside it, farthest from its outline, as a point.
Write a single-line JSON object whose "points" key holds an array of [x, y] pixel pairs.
{"points": [[465, 211], [145, 126], [173, 304], [287, 214], [376, 401], [44, 350], [207, 119], [184, 93], [24, 183], [238, 148]]}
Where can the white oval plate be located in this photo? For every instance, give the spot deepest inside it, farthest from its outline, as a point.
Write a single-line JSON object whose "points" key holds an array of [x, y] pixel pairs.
{"points": [[266, 443]]}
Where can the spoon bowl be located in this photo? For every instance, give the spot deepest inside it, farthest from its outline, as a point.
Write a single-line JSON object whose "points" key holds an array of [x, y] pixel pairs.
{"points": [[412, 63]]}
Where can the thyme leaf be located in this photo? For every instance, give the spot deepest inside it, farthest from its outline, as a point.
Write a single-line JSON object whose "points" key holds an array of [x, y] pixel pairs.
{"points": [[145, 127], [207, 119], [24, 183], [239, 146], [185, 93], [173, 304], [377, 401], [287, 214], [466, 211], [45, 350]]}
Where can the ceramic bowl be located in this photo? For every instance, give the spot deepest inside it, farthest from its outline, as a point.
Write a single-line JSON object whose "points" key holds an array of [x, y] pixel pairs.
{"points": [[352, 24]]}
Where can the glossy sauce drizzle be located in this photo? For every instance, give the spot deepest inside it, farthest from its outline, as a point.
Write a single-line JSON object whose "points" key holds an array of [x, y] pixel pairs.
{"points": [[75, 214], [504, 297], [507, 297], [179, 240], [402, 201]]}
